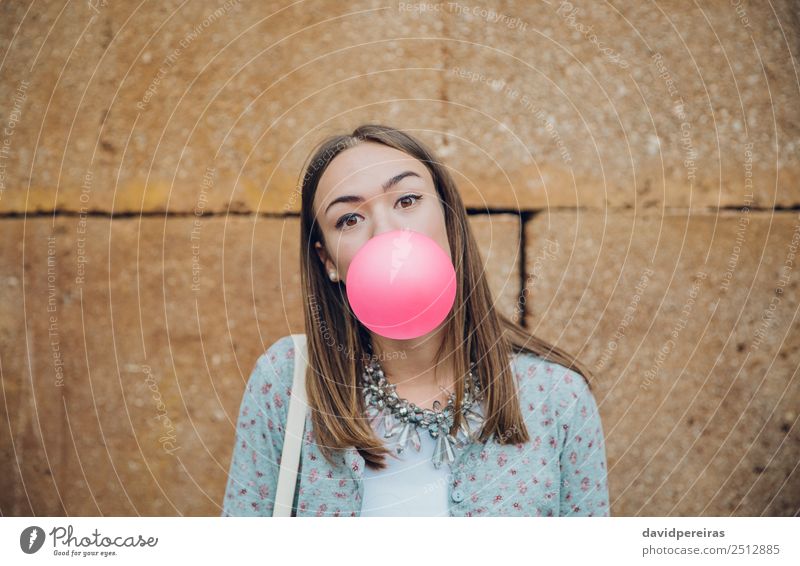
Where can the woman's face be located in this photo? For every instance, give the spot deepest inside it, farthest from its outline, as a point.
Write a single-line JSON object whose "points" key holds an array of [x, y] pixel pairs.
{"points": [[351, 204]]}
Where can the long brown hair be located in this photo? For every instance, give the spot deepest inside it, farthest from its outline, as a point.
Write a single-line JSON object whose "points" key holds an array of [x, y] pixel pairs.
{"points": [[338, 344]]}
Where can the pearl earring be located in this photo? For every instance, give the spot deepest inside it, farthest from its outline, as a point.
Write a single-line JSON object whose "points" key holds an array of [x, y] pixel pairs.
{"points": [[332, 275]]}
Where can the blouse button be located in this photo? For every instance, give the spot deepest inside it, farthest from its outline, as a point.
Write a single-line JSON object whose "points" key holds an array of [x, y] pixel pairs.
{"points": [[457, 495]]}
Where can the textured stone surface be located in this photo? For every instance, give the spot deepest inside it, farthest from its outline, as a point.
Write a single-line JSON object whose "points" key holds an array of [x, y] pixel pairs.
{"points": [[89, 437], [527, 111], [107, 447], [53, 141], [499, 237], [568, 125], [703, 421]]}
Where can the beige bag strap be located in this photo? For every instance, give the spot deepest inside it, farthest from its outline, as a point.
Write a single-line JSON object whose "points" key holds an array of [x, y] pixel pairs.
{"points": [[293, 432]]}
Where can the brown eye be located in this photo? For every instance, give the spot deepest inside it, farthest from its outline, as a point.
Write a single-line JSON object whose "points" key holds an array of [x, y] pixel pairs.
{"points": [[407, 197], [344, 220]]}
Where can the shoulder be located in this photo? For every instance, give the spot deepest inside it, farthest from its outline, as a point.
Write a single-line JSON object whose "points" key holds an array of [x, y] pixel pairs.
{"points": [[277, 358], [544, 381], [270, 381]]}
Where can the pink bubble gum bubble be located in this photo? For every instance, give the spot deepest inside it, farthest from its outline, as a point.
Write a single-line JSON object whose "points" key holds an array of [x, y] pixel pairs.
{"points": [[401, 284]]}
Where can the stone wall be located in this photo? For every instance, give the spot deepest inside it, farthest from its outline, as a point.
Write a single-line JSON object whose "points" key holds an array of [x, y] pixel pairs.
{"points": [[631, 174]]}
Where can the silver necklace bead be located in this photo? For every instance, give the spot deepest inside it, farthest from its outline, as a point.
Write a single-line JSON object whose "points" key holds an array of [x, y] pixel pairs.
{"points": [[402, 419]]}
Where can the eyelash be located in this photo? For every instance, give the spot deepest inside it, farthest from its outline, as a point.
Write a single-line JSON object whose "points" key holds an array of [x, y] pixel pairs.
{"points": [[346, 217]]}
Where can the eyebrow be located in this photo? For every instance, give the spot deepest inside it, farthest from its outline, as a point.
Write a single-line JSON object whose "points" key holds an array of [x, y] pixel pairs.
{"points": [[385, 187]]}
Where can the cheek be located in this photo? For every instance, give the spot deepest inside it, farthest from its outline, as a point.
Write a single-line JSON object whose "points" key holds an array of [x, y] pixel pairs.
{"points": [[344, 255], [446, 247], [440, 233]]}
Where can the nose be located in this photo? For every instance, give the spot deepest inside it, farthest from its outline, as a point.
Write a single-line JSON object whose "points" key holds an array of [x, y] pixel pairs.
{"points": [[386, 223], [382, 229]]}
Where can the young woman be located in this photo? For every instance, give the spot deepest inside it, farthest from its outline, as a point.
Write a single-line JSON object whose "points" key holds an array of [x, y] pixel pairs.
{"points": [[477, 418]]}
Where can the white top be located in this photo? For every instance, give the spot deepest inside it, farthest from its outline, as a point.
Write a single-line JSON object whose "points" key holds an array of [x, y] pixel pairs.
{"points": [[410, 486]]}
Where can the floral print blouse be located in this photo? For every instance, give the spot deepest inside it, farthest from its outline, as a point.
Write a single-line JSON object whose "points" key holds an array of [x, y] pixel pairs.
{"points": [[560, 471]]}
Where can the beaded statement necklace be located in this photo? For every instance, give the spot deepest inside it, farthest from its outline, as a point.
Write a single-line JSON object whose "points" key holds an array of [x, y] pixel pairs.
{"points": [[401, 419]]}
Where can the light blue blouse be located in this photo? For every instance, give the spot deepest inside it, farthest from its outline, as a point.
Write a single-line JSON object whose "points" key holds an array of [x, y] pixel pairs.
{"points": [[560, 470]]}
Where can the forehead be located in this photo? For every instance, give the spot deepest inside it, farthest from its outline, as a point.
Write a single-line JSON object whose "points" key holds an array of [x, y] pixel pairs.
{"points": [[362, 169]]}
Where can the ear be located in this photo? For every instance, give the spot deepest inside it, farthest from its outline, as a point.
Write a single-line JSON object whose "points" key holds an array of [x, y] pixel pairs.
{"points": [[323, 256]]}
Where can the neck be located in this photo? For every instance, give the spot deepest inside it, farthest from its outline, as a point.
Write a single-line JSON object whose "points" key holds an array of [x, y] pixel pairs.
{"points": [[412, 363]]}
